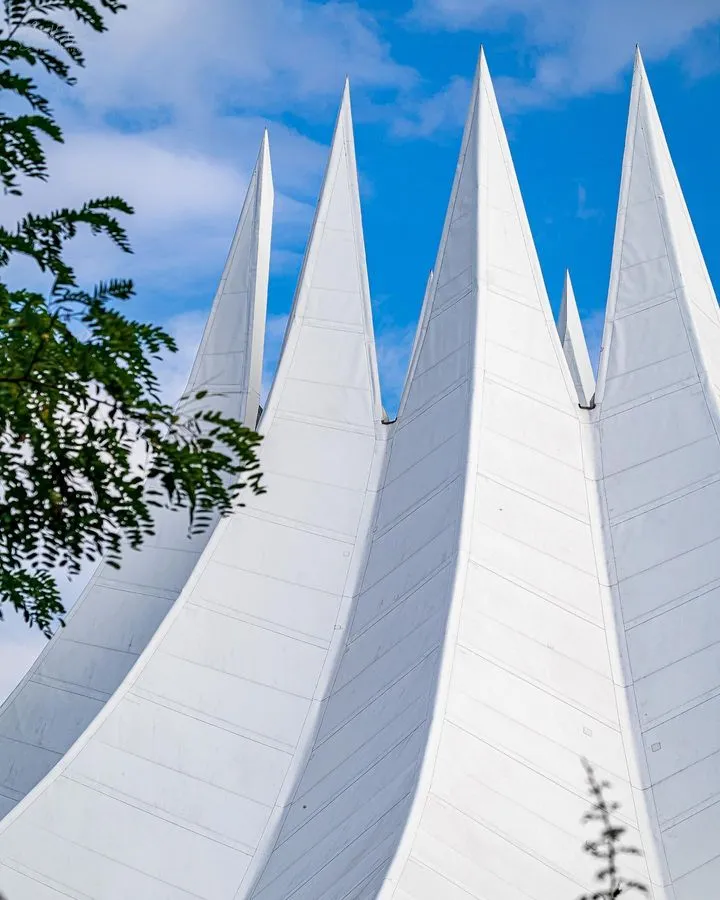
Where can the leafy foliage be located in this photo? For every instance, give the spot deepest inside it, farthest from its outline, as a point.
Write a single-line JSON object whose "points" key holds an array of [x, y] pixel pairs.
{"points": [[609, 847], [79, 398]]}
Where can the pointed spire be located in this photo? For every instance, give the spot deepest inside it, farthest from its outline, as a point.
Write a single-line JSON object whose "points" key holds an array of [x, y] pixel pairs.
{"points": [[572, 338], [487, 268], [453, 284], [638, 60], [229, 359], [659, 282], [517, 312], [329, 340]]}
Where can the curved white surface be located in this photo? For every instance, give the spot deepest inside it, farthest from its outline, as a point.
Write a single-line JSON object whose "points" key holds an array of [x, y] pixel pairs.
{"points": [[194, 758], [120, 610], [572, 338], [352, 800], [381, 677], [659, 457], [526, 684]]}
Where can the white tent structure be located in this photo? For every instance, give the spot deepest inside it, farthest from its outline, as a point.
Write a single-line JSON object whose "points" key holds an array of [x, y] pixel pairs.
{"points": [[380, 677]]}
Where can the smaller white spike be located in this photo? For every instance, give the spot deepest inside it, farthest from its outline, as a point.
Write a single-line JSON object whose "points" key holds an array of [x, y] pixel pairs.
{"points": [[572, 338], [331, 309]]}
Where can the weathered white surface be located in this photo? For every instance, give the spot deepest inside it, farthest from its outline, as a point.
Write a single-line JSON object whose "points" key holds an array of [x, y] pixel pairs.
{"points": [[119, 611], [380, 678], [572, 338]]}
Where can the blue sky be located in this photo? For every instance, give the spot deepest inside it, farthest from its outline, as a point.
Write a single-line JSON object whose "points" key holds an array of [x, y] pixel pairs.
{"points": [[171, 109], [172, 106]]}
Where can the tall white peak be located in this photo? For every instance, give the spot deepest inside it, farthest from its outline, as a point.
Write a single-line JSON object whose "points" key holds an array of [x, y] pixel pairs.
{"points": [[120, 610], [663, 323], [572, 338], [179, 787], [330, 335], [657, 427]]}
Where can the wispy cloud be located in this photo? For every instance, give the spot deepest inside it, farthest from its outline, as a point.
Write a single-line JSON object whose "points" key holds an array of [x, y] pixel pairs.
{"points": [[583, 210], [186, 203], [445, 108], [570, 48], [170, 111], [194, 59]]}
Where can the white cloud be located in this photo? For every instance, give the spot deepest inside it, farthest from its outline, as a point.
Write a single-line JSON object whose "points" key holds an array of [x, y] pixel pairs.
{"points": [[447, 108], [575, 48], [163, 185], [169, 114], [285, 261], [186, 206], [192, 56]]}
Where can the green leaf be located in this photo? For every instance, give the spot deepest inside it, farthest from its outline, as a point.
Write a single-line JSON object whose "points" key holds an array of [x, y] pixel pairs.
{"points": [[78, 388]]}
